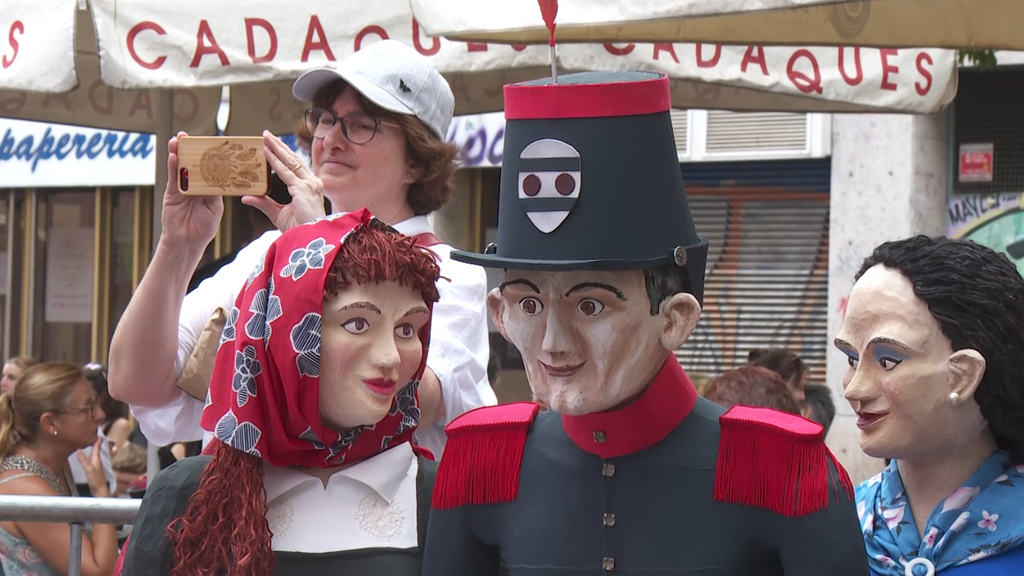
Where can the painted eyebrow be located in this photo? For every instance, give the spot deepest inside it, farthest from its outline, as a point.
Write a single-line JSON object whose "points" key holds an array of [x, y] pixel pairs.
{"points": [[417, 310], [844, 346], [360, 305], [584, 285], [890, 342], [840, 343], [522, 281]]}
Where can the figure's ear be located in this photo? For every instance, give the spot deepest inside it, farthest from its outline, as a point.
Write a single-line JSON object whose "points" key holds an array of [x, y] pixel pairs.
{"points": [[496, 305], [966, 369], [680, 313]]}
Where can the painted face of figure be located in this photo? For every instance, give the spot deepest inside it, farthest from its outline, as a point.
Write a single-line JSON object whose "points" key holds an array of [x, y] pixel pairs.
{"points": [[588, 340], [370, 349], [902, 370]]}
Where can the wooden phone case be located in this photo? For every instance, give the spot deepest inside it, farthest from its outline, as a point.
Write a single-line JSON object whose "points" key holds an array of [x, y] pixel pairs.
{"points": [[222, 166]]}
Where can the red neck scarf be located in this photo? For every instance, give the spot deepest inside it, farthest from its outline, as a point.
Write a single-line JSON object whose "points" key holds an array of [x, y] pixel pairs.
{"points": [[265, 392]]}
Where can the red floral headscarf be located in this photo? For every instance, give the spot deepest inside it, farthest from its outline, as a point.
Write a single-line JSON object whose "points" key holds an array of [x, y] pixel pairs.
{"points": [[264, 396]]}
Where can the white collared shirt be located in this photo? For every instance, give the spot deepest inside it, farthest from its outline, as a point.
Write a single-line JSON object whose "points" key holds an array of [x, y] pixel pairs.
{"points": [[369, 505], [458, 354]]}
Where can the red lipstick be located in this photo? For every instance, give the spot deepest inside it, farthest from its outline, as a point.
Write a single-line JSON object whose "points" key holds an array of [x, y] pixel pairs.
{"points": [[380, 386]]}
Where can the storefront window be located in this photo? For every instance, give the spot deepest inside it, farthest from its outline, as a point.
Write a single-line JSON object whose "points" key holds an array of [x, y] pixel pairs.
{"points": [[5, 272], [64, 264], [122, 255]]}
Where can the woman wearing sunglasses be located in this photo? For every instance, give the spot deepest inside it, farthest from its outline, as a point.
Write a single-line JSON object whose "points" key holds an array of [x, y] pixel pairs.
{"points": [[375, 129]]}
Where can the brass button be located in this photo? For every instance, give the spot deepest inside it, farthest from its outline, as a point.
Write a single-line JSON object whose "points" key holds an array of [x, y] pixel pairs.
{"points": [[609, 520], [608, 564], [608, 470], [598, 436]]}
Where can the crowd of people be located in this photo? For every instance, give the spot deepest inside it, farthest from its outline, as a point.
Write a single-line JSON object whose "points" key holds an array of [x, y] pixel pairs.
{"points": [[62, 434], [773, 378]]}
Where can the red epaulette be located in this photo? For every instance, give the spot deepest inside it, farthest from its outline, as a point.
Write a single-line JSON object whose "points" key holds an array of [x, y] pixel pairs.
{"points": [[775, 460], [482, 456]]}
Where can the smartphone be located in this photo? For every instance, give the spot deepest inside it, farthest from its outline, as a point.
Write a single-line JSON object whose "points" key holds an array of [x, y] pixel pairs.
{"points": [[222, 166]]}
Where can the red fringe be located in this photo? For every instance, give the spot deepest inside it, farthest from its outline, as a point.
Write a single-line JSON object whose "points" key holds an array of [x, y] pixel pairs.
{"points": [[483, 455], [480, 468], [225, 530], [772, 469]]}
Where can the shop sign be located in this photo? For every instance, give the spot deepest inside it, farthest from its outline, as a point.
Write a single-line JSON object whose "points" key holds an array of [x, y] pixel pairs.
{"points": [[37, 155], [976, 162]]}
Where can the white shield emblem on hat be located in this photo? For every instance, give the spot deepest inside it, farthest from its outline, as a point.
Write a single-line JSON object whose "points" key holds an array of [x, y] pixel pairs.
{"points": [[549, 182]]}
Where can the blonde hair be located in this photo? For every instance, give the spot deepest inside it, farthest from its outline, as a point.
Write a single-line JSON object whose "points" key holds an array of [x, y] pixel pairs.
{"points": [[130, 458], [42, 388], [22, 362]]}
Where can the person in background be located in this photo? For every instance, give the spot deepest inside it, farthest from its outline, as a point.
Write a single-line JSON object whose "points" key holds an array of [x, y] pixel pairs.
{"points": [[129, 466], [54, 415], [115, 422], [818, 405], [752, 386], [117, 426], [376, 128], [784, 363], [13, 368]]}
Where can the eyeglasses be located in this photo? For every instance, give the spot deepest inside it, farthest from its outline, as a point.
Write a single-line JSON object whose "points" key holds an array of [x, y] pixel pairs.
{"points": [[83, 409], [358, 128]]}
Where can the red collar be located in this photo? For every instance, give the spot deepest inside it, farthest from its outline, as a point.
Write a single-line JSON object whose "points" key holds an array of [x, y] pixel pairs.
{"points": [[643, 423]]}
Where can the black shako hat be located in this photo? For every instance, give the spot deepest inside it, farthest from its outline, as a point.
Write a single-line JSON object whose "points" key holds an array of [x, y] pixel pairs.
{"points": [[590, 179]]}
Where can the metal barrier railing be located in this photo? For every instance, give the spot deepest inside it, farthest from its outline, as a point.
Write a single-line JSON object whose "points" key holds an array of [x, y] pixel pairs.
{"points": [[75, 511]]}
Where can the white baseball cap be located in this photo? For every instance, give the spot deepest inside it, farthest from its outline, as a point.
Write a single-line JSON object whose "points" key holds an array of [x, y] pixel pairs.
{"points": [[392, 76]]}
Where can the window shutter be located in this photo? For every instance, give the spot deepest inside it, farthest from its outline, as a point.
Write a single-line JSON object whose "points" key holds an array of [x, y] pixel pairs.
{"points": [[732, 132]]}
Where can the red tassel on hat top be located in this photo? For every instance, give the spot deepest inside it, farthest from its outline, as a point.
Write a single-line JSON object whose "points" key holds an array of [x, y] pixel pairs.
{"points": [[548, 11], [483, 455], [776, 460]]}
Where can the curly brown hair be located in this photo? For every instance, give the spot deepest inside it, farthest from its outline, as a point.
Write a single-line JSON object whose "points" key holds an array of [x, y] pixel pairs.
{"points": [[434, 156]]}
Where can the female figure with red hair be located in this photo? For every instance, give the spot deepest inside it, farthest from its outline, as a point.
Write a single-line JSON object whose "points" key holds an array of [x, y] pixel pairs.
{"points": [[313, 403]]}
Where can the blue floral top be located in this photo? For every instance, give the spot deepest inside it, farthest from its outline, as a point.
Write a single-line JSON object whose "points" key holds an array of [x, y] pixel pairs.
{"points": [[978, 529]]}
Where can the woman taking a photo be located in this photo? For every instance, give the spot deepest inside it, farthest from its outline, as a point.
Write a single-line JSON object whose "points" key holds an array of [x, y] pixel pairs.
{"points": [[54, 415], [376, 127]]}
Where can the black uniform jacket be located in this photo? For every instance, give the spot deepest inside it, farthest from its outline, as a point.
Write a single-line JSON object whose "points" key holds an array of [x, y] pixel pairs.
{"points": [[645, 509]]}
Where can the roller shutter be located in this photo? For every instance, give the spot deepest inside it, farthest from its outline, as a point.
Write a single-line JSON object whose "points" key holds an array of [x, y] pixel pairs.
{"points": [[767, 272]]}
